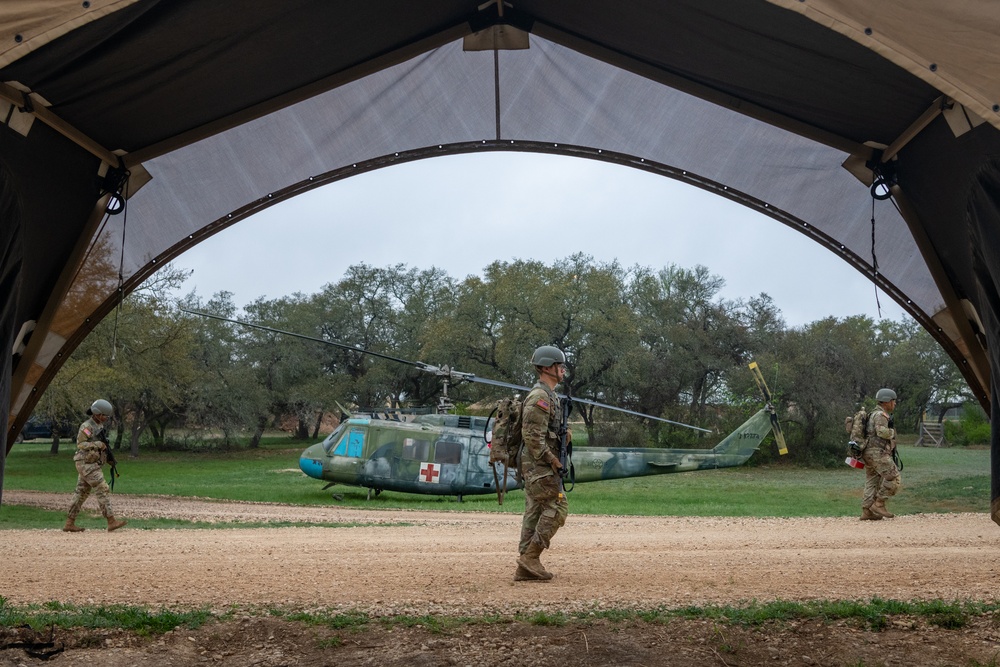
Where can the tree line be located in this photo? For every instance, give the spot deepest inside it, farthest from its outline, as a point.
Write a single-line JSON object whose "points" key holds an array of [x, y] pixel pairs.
{"points": [[660, 342]]}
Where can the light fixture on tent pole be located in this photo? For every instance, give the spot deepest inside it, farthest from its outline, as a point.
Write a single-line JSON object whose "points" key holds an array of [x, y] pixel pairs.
{"points": [[884, 177], [114, 184]]}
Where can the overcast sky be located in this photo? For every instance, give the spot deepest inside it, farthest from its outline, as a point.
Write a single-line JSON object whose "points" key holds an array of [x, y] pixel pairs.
{"points": [[460, 213]]}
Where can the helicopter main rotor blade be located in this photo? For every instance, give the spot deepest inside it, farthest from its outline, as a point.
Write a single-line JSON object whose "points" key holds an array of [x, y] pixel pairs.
{"points": [[635, 414], [475, 378], [443, 371], [471, 377], [345, 346]]}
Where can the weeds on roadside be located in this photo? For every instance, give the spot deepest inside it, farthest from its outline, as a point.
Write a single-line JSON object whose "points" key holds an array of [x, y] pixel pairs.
{"points": [[975, 663], [547, 619], [874, 615], [135, 619]]}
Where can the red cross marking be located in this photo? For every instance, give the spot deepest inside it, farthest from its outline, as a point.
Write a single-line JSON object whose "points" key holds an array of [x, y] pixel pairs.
{"points": [[429, 473]]}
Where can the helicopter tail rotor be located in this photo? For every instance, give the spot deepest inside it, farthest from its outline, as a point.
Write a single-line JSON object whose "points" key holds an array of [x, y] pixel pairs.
{"points": [[779, 437]]}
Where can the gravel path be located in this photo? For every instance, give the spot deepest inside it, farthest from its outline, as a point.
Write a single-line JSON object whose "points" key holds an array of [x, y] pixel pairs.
{"points": [[455, 562]]}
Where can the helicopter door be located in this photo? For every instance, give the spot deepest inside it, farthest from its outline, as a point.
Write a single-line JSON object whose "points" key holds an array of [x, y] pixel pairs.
{"points": [[407, 466], [345, 456], [446, 467]]}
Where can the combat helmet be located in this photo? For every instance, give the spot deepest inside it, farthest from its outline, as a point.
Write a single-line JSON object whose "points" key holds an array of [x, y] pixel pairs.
{"points": [[885, 395], [102, 407], [547, 355]]}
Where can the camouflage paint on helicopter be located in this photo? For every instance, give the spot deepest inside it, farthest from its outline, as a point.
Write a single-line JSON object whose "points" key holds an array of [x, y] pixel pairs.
{"points": [[434, 454], [448, 455]]}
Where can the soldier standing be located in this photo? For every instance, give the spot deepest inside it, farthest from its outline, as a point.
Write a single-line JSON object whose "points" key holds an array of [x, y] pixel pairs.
{"points": [[545, 506], [882, 476], [91, 455]]}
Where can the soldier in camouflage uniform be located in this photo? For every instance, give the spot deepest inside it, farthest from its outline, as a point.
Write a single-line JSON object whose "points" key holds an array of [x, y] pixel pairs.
{"points": [[545, 506], [882, 476], [91, 455]]}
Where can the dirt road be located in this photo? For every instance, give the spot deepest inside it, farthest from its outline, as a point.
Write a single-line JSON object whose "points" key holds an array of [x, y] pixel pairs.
{"points": [[453, 563], [449, 561]]}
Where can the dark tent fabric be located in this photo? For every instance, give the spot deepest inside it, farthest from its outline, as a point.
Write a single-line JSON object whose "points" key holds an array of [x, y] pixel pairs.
{"points": [[11, 262], [201, 114], [984, 241]]}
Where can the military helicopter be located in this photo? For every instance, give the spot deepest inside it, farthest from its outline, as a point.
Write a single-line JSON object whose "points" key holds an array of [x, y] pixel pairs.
{"points": [[446, 454]]}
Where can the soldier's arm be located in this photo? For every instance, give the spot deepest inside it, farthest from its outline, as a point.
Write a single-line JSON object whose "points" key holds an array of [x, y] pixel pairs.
{"points": [[86, 438], [882, 429], [83, 435], [534, 428]]}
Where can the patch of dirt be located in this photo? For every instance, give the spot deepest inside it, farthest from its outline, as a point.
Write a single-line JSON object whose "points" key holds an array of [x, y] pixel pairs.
{"points": [[445, 564]]}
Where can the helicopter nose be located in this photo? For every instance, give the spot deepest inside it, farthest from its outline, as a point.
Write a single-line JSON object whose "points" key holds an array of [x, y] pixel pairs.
{"points": [[311, 463]]}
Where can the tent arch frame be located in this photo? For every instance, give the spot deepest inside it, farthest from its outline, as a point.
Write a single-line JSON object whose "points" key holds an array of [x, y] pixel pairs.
{"points": [[475, 147]]}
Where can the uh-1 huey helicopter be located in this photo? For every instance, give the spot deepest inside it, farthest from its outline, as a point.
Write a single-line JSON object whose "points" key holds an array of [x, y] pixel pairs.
{"points": [[446, 454]]}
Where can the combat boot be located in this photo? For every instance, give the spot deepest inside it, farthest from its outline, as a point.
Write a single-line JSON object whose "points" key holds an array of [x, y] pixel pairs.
{"points": [[868, 515], [529, 561], [521, 574], [879, 508], [115, 524], [71, 527]]}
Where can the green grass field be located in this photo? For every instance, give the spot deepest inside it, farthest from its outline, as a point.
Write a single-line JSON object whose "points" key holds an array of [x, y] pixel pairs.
{"points": [[934, 480]]}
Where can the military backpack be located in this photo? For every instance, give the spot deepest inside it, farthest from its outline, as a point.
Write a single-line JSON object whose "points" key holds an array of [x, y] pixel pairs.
{"points": [[505, 444], [857, 427]]}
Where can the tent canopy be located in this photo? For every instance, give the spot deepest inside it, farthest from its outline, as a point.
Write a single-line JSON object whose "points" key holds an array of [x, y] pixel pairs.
{"points": [[201, 114]]}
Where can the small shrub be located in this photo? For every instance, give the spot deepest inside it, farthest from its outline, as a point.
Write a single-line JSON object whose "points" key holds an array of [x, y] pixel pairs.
{"points": [[972, 428]]}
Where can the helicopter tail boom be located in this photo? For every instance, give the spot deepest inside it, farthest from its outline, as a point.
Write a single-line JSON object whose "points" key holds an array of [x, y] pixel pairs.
{"points": [[599, 463]]}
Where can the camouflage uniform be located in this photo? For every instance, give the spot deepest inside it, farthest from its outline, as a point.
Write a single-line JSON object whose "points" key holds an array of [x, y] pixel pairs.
{"points": [[91, 455], [882, 476], [545, 506]]}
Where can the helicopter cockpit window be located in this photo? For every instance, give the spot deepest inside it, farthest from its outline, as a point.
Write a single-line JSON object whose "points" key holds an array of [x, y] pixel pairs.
{"points": [[333, 438], [351, 444], [448, 451], [416, 450]]}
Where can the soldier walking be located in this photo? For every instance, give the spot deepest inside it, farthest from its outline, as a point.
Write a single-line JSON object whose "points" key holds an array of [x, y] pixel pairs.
{"points": [[545, 506], [882, 479], [91, 455]]}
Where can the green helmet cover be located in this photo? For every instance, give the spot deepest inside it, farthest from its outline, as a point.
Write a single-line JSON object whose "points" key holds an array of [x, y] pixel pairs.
{"points": [[102, 407], [547, 355], [885, 395]]}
